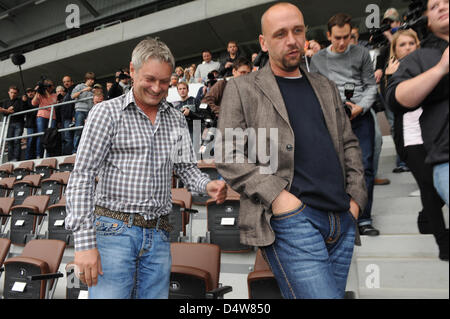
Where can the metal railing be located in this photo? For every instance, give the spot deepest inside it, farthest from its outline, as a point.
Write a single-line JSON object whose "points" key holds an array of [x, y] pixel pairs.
{"points": [[5, 125]]}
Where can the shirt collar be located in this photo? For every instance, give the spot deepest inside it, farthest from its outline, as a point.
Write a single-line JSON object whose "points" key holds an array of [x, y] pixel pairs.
{"points": [[129, 100]]}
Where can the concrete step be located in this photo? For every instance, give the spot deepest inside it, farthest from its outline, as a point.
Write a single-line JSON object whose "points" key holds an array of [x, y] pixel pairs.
{"points": [[402, 273], [393, 246], [397, 293]]}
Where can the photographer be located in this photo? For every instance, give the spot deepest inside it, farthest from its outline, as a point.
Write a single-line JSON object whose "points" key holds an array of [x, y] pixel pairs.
{"points": [[44, 97], [422, 80]]}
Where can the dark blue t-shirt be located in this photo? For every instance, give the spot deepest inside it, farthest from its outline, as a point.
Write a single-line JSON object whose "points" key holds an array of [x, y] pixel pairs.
{"points": [[318, 179]]}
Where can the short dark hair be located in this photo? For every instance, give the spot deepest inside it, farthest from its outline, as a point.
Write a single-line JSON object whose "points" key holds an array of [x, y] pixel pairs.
{"points": [[340, 20], [206, 50], [240, 62], [13, 87]]}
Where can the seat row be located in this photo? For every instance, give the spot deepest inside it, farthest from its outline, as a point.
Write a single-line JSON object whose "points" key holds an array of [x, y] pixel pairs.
{"points": [[194, 274], [45, 168], [22, 220]]}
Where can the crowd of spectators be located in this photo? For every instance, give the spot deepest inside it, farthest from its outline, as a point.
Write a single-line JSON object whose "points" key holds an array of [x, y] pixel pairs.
{"points": [[346, 59]]}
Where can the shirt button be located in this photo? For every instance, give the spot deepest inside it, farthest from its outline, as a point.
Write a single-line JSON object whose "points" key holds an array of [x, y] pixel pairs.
{"points": [[289, 147]]}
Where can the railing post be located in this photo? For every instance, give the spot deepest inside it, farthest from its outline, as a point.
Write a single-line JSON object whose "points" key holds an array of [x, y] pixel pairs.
{"points": [[4, 142]]}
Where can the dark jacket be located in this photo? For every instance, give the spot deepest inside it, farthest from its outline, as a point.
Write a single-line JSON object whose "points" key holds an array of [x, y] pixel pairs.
{"points": [[30, 118], [66, 112], [226, 72], [434, 120], [17, 104]]}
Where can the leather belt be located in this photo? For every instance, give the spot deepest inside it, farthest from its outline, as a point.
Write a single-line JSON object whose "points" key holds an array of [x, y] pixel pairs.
{"points": [[138, 220]]}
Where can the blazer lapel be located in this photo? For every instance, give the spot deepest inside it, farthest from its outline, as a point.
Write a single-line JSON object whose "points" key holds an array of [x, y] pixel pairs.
{"points": [[265, 80]]}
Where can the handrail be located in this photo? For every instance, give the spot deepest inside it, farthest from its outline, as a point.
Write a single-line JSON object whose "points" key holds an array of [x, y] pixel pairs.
{"points": [[4, 128]]}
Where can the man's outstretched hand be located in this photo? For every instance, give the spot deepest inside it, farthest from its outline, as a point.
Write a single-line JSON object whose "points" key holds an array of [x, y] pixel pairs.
{"points": [[217, 190]]}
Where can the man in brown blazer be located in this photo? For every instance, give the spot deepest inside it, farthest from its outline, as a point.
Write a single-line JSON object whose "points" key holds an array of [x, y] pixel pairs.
{"points": [[302, 213]]}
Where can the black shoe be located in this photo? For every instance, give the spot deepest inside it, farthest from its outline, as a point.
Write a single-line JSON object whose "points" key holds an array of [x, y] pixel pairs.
{"points": [[423, 224], [400, 169], [443, 247], [368, 230]]}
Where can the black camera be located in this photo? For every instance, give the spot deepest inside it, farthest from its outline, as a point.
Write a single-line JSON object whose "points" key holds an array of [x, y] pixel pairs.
{"points": [[261, 60], [42, 86], [211, 79], [349, 90], [413, 19]]}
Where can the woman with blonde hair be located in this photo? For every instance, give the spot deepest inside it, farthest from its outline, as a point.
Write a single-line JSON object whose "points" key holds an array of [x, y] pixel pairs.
{"points": [[409, 144]]}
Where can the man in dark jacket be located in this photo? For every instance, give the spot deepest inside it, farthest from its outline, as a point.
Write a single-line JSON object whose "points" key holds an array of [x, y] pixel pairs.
{"points": [[15, 128], [30, 123], [226, 63], [422, 80], [66, 113]]}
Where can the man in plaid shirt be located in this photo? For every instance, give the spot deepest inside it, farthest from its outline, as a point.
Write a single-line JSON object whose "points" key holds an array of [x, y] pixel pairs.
{"points": [[132, 143]]}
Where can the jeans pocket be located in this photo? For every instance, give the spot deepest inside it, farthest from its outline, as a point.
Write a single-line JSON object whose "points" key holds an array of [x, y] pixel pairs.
{"points": [[164, 235], [352, 217], [106, 226], [290, 213]]}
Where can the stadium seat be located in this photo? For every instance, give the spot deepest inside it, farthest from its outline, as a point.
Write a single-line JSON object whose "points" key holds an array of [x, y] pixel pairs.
{"points": [[75, 288], [195, 272], [25, 218], [5, 209], [27, 186], [6, 170], [68, 164], [179, 216], [25, 168], [209, 168], [5, 244], [46, 167], [6, 186], [56, 217], [34, 274], [54, 186], [223, 224], [261, 282]]}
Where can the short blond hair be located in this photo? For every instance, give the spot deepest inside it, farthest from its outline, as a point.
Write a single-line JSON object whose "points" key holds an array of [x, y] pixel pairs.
{"points": [[151, 48]]}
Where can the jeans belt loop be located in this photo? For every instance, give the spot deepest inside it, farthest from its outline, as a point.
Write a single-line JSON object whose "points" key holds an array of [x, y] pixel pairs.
{"points": [[157, 223], [130, 220]]}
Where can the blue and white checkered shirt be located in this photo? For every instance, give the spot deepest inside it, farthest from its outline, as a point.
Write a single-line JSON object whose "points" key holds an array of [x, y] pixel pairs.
{"points": [[134, 161]]}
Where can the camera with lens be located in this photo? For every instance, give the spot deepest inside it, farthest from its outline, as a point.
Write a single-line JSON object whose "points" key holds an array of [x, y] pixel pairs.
{"points": [[413, 19], [211, 79], [349, 90], [261, 60], [42, 85]]}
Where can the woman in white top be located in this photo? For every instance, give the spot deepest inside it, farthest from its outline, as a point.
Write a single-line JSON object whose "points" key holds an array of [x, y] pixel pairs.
{"points": [[409, 143]]}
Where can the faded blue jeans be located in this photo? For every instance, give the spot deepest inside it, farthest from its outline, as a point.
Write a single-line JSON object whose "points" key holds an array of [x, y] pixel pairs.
{"points": [[440, 180], [136, 261], [312, 252]]}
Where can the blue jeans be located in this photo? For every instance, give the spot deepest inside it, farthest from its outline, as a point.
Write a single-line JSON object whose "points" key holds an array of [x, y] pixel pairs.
{"points": [[67, 139], [15, 129], [136, 261], [31, 144], [440, 180], [42, 125], [80, 117], [363, 127], [312, 252]]}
